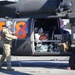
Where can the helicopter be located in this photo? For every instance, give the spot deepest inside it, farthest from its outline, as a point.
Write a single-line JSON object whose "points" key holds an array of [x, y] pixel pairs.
{"points": [[30, 16]]}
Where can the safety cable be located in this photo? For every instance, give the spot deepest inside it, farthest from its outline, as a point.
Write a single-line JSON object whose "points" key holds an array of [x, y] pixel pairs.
{"points": [[60, 63], [20, 63], [50, 60], [17, 57]]}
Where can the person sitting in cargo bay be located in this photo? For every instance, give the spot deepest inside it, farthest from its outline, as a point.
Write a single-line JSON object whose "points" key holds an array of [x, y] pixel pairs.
{"points": [[39, 36]]}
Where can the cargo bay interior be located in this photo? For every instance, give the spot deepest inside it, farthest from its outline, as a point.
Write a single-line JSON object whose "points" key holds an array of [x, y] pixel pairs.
{"points": [[48, 35]]}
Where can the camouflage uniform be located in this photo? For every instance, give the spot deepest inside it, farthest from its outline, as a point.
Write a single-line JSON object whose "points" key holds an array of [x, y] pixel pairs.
{"points": [[7, 40]]}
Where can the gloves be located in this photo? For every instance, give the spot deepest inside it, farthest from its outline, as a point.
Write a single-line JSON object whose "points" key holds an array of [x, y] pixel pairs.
{"points": [[15, 37]]}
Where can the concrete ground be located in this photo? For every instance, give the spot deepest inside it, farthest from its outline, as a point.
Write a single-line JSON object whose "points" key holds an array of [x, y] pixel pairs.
{"points": [[29, 65]]}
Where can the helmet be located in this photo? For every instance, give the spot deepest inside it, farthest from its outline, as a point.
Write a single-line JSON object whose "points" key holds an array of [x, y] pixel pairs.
{"points": [[8, 23], [41, 30]]}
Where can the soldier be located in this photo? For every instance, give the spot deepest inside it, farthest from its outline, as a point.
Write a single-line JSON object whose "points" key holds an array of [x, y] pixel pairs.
{"points": [[7, 37]]}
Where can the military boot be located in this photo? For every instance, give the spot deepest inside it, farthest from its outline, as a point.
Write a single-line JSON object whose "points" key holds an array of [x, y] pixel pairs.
{"points": [[0, 65], [10, 69], [1, 68]]}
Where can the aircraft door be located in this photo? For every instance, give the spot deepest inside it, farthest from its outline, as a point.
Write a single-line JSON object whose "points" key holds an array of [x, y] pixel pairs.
{"points": [[21, 28]]}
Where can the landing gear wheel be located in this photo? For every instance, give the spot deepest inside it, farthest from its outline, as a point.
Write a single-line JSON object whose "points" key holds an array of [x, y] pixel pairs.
{"points": [[72, 62]]}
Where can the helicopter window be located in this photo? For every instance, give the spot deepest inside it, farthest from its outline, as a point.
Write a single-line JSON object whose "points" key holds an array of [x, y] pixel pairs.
{"points": [[44, 29], [48, 25]]}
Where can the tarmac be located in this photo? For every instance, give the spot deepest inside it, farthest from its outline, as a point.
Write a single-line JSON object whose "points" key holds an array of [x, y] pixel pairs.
{"points": [[29, 65]]}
